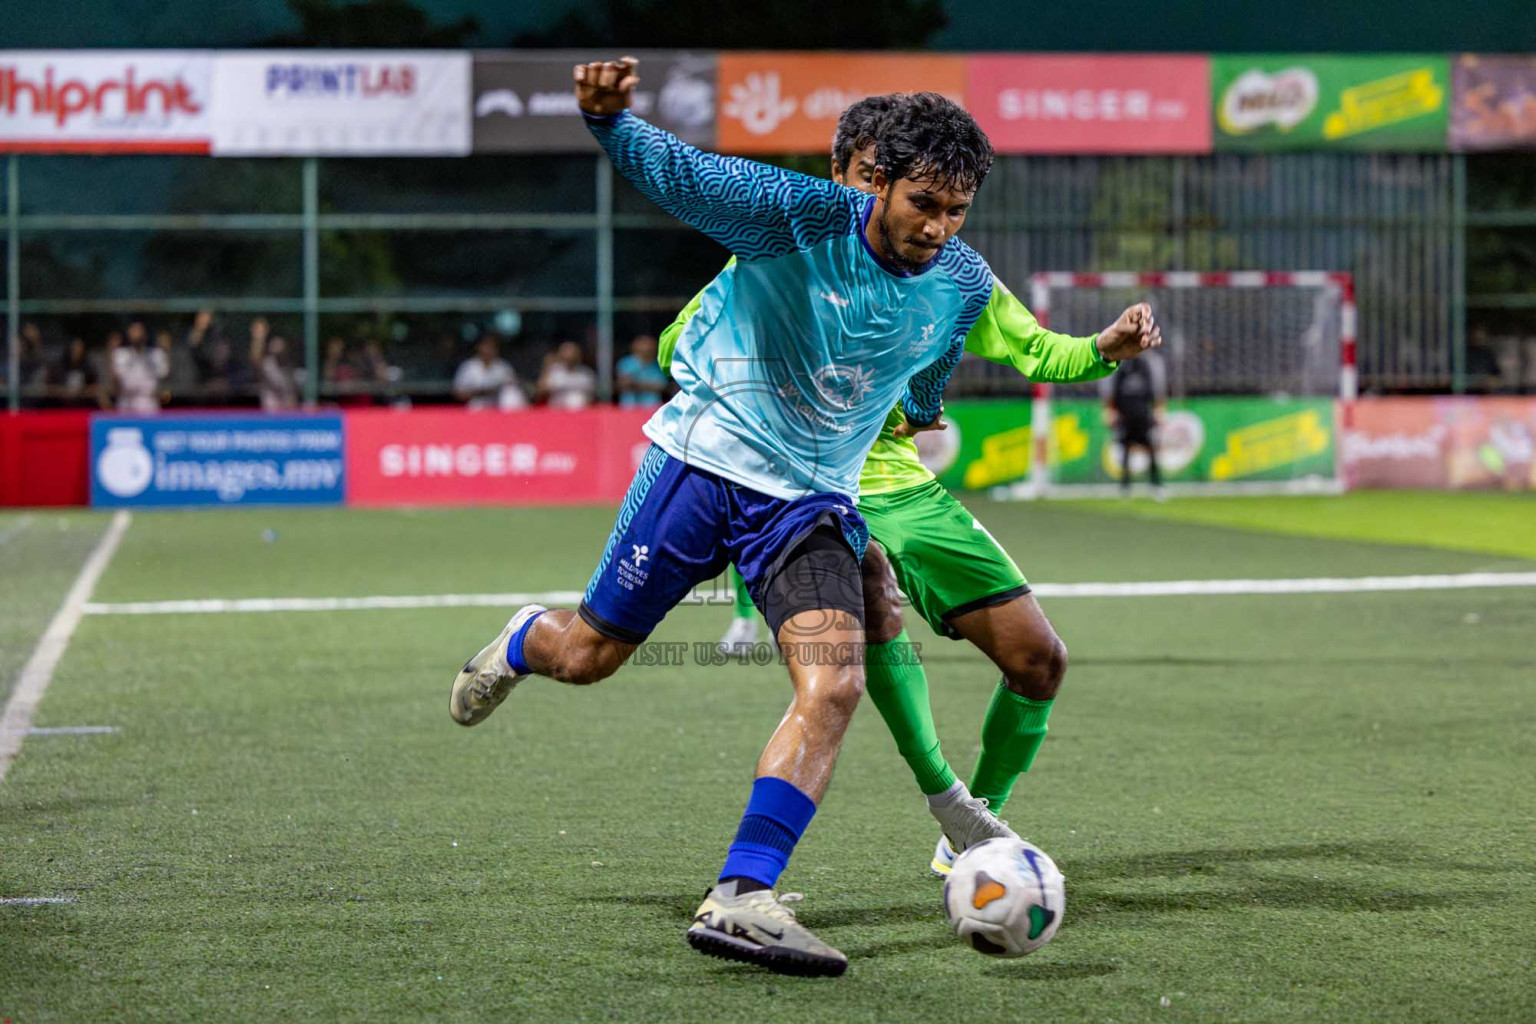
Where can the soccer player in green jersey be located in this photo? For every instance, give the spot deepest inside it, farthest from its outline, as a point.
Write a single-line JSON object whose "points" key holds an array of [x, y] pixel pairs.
{"points": [[955, 574]]}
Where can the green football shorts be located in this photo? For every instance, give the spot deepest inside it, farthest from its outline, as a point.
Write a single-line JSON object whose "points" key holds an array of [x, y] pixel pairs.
{"points": [[945, 561]]}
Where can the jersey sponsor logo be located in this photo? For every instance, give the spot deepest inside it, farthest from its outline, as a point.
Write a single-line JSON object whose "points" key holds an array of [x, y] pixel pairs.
{"points": [[832, 390], [843, 386], [630, 570]]}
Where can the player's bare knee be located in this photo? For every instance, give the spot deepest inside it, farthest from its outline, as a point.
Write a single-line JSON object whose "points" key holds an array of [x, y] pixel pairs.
{"points": [[884, 619], [1036, 668], [841, 691]]}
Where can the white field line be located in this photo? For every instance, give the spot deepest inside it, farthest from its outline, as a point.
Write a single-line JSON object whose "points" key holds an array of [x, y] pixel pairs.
{"points": [[33, 901], [10, 532], [1312, 585], [37, 673], [335, 604], [73, 730], [1154, 588]]}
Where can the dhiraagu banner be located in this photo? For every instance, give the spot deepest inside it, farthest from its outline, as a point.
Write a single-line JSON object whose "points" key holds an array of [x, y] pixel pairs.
{"points": [[1309, 101], [1201, 440]]}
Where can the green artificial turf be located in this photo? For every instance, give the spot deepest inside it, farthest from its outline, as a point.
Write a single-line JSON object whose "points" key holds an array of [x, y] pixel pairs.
{"points": [[1267, 808], [1491, 523]]}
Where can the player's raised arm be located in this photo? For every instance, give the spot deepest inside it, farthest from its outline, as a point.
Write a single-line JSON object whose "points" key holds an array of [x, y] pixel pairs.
{"points": [[1007, 332], [752, 209]]}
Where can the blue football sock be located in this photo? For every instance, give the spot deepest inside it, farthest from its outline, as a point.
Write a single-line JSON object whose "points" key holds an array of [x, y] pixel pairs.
{"points": [[776, 817], [515, 646]]}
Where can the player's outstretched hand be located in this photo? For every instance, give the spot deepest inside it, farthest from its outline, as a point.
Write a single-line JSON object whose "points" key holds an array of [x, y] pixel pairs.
{"points": [[1131, 335], [603, 87], [905, 429]]}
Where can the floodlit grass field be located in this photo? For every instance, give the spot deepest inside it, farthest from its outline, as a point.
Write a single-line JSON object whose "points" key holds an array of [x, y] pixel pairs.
{"points": [[1268, 808]]}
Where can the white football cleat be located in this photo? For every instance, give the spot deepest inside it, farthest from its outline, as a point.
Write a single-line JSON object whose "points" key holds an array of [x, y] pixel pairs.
{"points": [[757, 928], [740, 638], [943, 857], [966, 821], [486, 679]]}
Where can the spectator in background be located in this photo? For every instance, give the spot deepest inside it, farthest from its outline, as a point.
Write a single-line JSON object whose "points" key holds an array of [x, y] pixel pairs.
{"points": [[566, 383], [75, 379], [374, 369], [201, 339], [257, 345], [137, 370], [216, 368], [33, 365], [641, 382], [181, 381], [275, 378], [338, 370], [487, 381]]}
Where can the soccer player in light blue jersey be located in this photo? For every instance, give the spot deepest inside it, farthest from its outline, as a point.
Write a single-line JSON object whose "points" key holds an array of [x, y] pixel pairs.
{"points": [[839, 307]]}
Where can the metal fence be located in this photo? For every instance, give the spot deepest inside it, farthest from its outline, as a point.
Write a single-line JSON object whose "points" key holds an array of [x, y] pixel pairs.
{"points": [[1390, 220], [413, 250]]}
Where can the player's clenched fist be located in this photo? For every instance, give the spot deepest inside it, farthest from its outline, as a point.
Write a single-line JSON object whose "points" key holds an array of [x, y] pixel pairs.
{"points": [[603, 87], [1131, 335]]}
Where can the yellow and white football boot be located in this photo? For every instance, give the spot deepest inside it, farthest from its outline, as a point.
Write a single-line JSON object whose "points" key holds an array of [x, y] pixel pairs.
{"points": [[757, 928], [486, 679], [965, 821]]}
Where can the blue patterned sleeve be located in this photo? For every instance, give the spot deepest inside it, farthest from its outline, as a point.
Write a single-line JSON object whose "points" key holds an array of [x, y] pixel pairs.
{"points": [[924, 400], [754, 210]]}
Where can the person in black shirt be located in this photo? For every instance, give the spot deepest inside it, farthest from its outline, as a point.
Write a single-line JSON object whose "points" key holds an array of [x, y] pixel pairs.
{"points": [[1136, 398]]}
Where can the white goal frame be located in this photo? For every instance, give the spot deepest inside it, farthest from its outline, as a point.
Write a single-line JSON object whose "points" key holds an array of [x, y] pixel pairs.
{"points": [[1342, 285]]}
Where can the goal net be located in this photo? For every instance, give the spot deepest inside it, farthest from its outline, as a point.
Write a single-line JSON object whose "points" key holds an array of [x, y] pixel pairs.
{"points": [[1256, 370]]}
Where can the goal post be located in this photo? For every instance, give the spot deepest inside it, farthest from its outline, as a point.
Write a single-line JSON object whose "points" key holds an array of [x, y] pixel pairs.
{"points": [[1259, 372]]}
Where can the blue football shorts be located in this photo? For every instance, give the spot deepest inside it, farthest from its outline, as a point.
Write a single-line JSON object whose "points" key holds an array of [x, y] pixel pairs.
{"points": [[680, 526]]}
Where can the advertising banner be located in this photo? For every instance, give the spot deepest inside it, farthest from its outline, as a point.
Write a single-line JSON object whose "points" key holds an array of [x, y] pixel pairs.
{"points": [[108, 101], [1277, 102], [1453, 443], [985, 444], [1063, 103], [1208, 440], [525, 102], [459, 457], [790, 102], [216, 460], [1216, 440], [342, 103], [1494, 103]]}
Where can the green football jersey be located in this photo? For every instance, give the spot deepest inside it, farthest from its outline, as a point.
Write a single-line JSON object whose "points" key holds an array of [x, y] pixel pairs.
{"points": [[1006, 332]]}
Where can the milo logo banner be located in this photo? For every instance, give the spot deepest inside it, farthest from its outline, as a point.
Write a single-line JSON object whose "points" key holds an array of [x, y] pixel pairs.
{"points": [[1201, 440], [1276, 102]]}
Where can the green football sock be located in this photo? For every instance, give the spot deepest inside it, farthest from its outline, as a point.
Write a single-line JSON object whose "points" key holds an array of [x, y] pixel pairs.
{"points": [[896, 683], [1011, 735], [744, 608]]}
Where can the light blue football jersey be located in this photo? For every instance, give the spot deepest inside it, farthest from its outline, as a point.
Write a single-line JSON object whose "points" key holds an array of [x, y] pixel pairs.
{"points": [[800, 350]]}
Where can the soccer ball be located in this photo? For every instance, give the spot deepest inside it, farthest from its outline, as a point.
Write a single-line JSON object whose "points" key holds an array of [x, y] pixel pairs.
{"points": [[1005, 897]]}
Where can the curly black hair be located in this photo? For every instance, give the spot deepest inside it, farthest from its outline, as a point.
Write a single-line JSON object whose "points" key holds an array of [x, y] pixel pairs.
{"points": [[928, 137], [860, 124]]}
